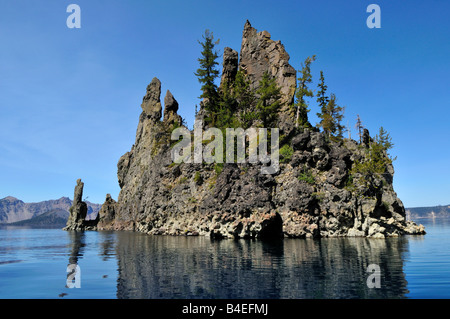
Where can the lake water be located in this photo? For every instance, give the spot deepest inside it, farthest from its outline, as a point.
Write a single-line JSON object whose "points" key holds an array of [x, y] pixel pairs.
{"points": [[127, 265]]}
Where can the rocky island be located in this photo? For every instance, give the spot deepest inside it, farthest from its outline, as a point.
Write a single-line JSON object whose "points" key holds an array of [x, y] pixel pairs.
{"points": [[326, 185]]}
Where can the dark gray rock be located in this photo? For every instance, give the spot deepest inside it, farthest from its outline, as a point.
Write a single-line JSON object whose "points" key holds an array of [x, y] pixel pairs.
{"points": [[151, 103], [170, 110], [366, 138], [301, 141], [230, 66], [78, 211], [107, 213]]}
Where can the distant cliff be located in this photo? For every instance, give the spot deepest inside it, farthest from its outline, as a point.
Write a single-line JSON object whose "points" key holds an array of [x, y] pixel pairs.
{"points": [[323, 188], [414, 213], [14, 210], [55, 219]]}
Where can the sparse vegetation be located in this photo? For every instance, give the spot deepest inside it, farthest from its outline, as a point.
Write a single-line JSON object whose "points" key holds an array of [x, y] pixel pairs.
{"points": [[286, 153], [307, 176], [375, 163]]}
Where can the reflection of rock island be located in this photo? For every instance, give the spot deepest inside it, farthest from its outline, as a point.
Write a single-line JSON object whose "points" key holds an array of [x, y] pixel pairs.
{"points": [[174, 267]]}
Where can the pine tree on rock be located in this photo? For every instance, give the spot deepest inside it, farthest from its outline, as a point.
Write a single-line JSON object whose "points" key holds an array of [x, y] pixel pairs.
{"points": [[245, 97], [303, 92], [331, 114], [207, 72], [322, 98], [359, 127], [269, 100]]}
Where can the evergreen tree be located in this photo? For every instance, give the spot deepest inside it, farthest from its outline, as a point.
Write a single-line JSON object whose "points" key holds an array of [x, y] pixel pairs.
{"points": [[338, 115], [302, 92], [330, 114], [377, 159], [245, 98], [322, 98], [331, 119], [269, 100], [242, 92], [384, 139], [207, 73], [226, 108], [359, 128]]}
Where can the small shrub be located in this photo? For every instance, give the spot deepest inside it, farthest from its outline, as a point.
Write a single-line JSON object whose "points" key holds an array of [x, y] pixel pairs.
{"points": [[218, 168], [183, 180], [319, 196], [286, 153], [306, 175]]}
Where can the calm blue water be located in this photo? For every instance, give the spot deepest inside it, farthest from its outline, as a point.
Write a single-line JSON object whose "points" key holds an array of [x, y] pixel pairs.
{"points": [[33, 264]]}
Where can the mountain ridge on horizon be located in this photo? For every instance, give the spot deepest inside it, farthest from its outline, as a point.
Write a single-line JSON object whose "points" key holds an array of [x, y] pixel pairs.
{"points": [[13, 209], [438, 211]]}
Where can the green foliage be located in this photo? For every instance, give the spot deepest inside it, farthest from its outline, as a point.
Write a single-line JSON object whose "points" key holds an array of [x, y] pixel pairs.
{"points": [[359, 128], [218, 168], [331, 119], [349, 184], [207, 71], [242, 93], [173, 164], [322, 98], [384, 139], [225, 114], [248, 117], [330, 114], [197, 177], [245, 98], [286, 153], [307, 176], [192, 200], [303, 92], [376, 161], [269, 100], [182, 180]]}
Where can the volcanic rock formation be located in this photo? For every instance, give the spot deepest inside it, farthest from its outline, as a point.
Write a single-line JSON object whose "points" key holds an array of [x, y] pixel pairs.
{"points": [[312, 194]]}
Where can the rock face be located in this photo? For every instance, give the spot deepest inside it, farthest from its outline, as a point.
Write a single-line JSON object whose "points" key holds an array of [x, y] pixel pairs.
{"points": [[261, 54], [230, 65], [78, 212], [170, 110], [312, 194], [151, 104], [107, 213]]}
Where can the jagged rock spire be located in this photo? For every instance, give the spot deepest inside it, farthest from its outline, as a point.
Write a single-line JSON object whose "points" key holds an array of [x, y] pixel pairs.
{"points": [[170, 109], [230, 66], [151, 103], [78, 210], [260, 54]]}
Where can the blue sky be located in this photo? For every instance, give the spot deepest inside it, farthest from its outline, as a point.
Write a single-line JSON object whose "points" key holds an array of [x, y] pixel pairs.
{"points": [[70, 98]]}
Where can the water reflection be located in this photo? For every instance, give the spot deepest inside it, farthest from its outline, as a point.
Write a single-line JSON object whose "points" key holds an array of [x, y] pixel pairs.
{"points": [[107, 244], [77, 243], [196, 267]]}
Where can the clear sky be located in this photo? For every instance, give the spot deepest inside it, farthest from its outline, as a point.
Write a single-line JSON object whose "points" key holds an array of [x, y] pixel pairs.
{"points": [[70, 98]]}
